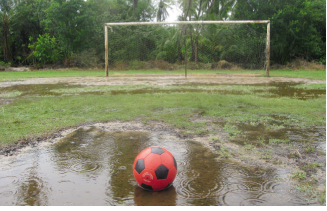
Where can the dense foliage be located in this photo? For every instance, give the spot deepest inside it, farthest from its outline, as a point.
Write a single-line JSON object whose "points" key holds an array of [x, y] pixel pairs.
{"points": [[71, 33]]}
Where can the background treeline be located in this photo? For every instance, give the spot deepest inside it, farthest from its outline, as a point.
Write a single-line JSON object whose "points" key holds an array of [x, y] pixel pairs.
{"points": [[71, 32]]}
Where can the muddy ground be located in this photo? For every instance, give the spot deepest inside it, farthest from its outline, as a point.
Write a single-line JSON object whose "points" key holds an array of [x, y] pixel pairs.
{"points": [[293, 158]]}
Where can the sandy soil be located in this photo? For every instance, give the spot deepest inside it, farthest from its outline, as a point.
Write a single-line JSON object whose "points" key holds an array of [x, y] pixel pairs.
{"points": [[162, 80]]}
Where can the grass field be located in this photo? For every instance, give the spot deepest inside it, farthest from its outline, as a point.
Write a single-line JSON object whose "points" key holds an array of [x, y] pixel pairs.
{"points": [[279, 124], [32, 116], [5, 76]]}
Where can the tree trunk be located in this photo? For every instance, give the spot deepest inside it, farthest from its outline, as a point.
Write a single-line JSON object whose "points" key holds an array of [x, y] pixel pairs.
{"points": [[179, 53], [212, 54], [5, 32], [192, 49], [196, 59]]}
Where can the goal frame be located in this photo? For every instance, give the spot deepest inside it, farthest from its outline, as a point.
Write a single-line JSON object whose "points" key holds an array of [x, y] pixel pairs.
{"points": [[106, 25]]}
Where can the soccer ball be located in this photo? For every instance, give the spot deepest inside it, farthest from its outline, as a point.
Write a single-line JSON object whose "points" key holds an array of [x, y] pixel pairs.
{"points": [[154, 168]]}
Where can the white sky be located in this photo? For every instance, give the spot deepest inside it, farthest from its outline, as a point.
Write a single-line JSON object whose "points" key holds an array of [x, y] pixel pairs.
{"points": [[173, 13]]}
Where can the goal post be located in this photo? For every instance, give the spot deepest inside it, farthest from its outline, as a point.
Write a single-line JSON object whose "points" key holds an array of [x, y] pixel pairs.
{"points": [[203, 44]]}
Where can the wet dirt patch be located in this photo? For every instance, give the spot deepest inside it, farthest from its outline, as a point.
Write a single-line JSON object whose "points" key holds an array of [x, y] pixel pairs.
{"points": [[92, 165]]}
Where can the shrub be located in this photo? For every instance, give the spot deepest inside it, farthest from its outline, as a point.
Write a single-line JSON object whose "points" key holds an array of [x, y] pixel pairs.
{"points": [[45, 49]]}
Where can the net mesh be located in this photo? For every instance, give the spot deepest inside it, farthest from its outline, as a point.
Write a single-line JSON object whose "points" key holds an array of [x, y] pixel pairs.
{"points": [[198, 46]]}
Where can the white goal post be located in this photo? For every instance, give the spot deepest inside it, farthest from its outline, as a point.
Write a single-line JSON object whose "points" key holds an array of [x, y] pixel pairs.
{"points": [[111, 25]]}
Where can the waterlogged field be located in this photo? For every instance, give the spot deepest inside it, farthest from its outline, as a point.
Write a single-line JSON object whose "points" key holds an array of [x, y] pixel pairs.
{"points": [[237, 140]]}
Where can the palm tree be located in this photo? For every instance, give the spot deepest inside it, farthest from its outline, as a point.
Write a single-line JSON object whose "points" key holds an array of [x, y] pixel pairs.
{"points": [[5, 14], [134, 6], [218, 8], [5, 23], [162, 12]]}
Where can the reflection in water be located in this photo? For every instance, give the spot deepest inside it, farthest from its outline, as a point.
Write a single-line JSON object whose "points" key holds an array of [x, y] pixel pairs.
{"points": [[165, 197], [94, 167]]}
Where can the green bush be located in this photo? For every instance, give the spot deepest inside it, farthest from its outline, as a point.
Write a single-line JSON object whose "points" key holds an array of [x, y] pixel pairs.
{"points": [[45, 49], [4, 64]]}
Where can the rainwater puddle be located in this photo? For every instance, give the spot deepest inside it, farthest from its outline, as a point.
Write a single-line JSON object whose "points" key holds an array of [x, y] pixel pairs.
{"points": [[94, 167], [36, 89], [314, 134], [270, 90], [284, 89]]}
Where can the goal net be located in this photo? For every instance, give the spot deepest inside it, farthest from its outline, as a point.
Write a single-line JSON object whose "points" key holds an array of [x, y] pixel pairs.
{"points": [[189, 45]]}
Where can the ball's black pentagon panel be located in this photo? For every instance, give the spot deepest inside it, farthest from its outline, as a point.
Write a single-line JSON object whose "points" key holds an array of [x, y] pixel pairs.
{"points": [[157, 150], [161, 172], [146, 187], [175, 163], [139, 166]]}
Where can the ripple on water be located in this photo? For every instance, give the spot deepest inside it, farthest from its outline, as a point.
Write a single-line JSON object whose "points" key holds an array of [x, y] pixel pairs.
{"points": [[252, 202], [250, 186], [108, 158], [85, 166], [6, 186], [8, 181], [191, 185]]}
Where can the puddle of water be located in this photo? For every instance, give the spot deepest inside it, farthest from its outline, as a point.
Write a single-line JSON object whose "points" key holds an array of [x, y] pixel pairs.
{"points": [[270, 90], [290, 90], [36, 89], [94, 167], [275, 130]]}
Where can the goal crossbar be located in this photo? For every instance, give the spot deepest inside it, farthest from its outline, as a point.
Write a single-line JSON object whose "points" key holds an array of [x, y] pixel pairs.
{"points": [[106, 25], [185, 22]]}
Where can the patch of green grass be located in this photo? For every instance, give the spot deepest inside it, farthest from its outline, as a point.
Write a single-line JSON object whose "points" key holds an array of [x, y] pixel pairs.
{"points": [[300, 175], [224, 152], [310, 149], [274, 127], [215, 139], [278, 141], [322, 197], [74, 72], [304, 188], [312, 166], [249, 146], [231, 129], [10, 94], [11, 76], [311, 86], [309, 190], [28, 117], [310, 74], [265, 154]]}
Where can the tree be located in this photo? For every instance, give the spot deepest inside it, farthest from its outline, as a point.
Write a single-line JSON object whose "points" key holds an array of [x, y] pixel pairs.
{"points": [[5, 24], [6, 14], [134, 7], [216, 9], [27, 23], [45, 49], [70, 23], [197, 10], [298, 27], [162, 12]]}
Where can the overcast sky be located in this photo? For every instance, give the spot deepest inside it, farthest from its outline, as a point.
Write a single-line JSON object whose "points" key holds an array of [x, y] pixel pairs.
{"points": [[173, 13]]}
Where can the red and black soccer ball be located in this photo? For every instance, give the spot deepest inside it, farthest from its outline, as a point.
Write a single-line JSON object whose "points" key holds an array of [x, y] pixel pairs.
{"points": [[154, 168]]}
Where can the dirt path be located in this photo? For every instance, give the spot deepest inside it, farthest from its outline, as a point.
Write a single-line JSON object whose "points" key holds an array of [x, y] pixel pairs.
{"points": [[162, 80]]}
